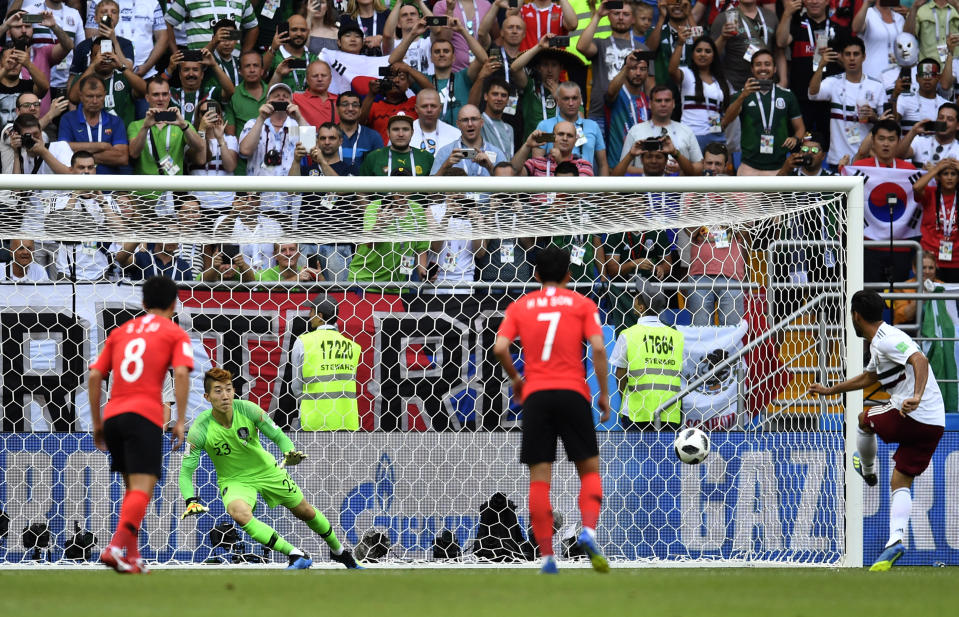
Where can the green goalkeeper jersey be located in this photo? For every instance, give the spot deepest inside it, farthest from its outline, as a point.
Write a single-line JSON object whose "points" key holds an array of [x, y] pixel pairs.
{"points": [[235, 450]]}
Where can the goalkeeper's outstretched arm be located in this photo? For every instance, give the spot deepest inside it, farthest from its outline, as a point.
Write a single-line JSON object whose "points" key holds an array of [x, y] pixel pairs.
{"points": [[188, 467]]}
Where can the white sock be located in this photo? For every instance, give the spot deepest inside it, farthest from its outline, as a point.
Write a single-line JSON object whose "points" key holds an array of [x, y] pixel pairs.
{"points": [[899, 509], [866, 443], [337, 552], [590, 532]]}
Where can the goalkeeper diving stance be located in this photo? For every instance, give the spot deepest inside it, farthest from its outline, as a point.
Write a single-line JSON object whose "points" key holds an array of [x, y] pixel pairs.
{"points": [[229, 433]]}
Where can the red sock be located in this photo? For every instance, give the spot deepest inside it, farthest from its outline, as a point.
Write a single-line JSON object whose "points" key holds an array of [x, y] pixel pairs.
{"points": [[128, 527], [541, 515], [590, 498]]}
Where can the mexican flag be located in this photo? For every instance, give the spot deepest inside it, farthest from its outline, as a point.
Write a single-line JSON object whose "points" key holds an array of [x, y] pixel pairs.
{"points": [[939, 320]]}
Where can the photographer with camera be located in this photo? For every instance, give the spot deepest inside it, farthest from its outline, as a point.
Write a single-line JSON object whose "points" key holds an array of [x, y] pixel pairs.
{"points": [[687, 154], [403, 18], [288, 57], [387, 98], [471, 152], [31, 156], [806, 158], [767, 113], [119, 80], [28, 103], [929, 142], [222, 153], [564, 142]]}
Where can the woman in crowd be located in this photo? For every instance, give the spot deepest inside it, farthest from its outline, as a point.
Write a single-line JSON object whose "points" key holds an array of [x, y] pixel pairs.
{"points": [[321, 19], [703, 89], [940, 235], [371, 16]]}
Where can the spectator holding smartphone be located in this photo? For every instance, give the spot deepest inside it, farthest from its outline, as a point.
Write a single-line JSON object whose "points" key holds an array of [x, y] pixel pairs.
{"points": [[628, 103], [139, 23], [590, 144], [43, 56], [471, 152], [929, 142], [772, 122], [12, 84], [321, 20], [288, 57], [403, 19], [198, 19], [370, 17], [103, 23], [222, 46], [221, 157], [703, 89], [56, 15], [122, 84], [564, 142], [201, 78], [607, 55], [660, 125], [911, 107]]}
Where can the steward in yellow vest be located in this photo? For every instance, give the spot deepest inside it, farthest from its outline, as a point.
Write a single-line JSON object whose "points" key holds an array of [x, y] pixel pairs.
{"points": [[649, 361], [324, 373]]}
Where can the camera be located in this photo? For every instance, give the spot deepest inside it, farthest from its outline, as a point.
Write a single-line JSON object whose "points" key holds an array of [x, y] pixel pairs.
{"points": [[613, 5], [28, 141], [806, 160], [234, 35], [280, 105], [107, 21], [272, 158], [192, 55], [437, 20], [765, 84], [932, 125], [165, 116], [559, 41], [652, 145], [296, 63], [385, 85]]}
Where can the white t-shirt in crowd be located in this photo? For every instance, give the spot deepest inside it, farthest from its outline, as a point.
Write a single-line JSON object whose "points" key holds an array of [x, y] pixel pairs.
{"points": [[681, 135], [34, 273], [214, 167], [914, 108], [890, 350], [846, 133], [925, 149], [700, 116], [455, 258], [258, 256], [880, 40], [434, 140]]}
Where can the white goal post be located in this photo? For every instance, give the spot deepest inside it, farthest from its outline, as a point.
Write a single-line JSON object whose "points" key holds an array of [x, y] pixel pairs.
{"points": [[439, 435]]}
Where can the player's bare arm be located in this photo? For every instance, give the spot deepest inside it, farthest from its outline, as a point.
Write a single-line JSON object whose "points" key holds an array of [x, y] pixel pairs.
{"points": [[501, 351], [920, 368], [856, 383], [181, 393], [601, 367], [94, 387]]}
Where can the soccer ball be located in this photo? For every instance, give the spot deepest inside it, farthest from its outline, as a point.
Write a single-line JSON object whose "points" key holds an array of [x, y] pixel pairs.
{"points": [[692, 446]]}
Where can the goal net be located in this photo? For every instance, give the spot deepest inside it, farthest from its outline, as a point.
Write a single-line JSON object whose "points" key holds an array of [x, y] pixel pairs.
{"points": [[753, 272]]}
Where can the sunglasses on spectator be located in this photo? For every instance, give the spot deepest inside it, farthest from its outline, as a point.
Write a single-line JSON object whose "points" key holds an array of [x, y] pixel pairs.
{"points": [[810, 150]]}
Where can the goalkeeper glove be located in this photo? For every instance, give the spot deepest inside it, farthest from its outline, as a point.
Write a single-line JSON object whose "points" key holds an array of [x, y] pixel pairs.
{"points": [[193, 506], [293, 457]]}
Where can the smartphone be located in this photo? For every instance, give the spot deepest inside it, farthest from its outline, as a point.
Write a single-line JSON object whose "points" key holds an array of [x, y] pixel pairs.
{"points": [[648, 56], [613, 5], [280, 105], [106, 46], [385, 71], [468, 153], [215, 106], [107, 21], [888, 2], [559, 41], [229, 251], [58, 92], [547, 138], [765, 84], [165, 116], [308, 137], [437, 20], [652, 145], [939, 127], [234, 35], [29, 18], [296, 63], [513, 4], [283, 28], [192, 55]]}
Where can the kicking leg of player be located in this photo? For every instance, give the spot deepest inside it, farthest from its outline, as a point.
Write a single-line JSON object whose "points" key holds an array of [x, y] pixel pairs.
{"points": [[139, 487], [541, 513], [899, 508], [242, 513], [590, 500], [864, 461], [315, 520]]}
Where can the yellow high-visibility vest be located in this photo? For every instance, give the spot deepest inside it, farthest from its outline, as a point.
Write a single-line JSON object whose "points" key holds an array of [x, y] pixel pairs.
{"points": [[654, 356], [328, 402]]}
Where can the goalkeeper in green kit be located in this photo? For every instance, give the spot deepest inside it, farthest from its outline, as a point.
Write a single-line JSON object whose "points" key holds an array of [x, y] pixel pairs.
{"points": [[229, 433]]}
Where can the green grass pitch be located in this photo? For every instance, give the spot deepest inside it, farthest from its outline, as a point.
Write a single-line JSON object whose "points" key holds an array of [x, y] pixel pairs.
{"points": [[715, 592]]}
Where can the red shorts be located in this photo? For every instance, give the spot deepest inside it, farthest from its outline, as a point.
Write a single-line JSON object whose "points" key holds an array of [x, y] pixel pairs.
{"points": [[917, 441]]}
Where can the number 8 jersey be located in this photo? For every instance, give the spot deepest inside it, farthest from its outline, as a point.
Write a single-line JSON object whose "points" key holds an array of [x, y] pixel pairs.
{"points": [[552, 325], [139, 353]]}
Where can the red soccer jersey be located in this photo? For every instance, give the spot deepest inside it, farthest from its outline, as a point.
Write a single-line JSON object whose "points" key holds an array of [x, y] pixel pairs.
{"points": [[552, 324], [142, 350], [539, 22]]}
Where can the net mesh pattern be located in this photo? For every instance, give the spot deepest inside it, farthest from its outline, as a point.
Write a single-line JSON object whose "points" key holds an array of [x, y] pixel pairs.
{"points": [[420, 282]]}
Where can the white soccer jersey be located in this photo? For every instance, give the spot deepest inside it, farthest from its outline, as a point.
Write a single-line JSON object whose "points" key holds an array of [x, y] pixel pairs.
{"points": [[845, 131], [890, 350]]}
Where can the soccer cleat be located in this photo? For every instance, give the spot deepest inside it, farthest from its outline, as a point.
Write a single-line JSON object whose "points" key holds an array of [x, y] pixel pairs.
{"points": [[588, 544], [888, 557], [112, 557], [870, 479], [300, 562], [139, 566], [346, 558], [549, 566]]}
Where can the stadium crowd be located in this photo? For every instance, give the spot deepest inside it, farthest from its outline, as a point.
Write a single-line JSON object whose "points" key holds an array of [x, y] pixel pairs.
{"points": [[325, 87]]}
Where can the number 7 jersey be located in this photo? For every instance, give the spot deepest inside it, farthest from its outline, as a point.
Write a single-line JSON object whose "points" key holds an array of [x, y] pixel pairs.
{"points": [[139, 353], [552, 325]]}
